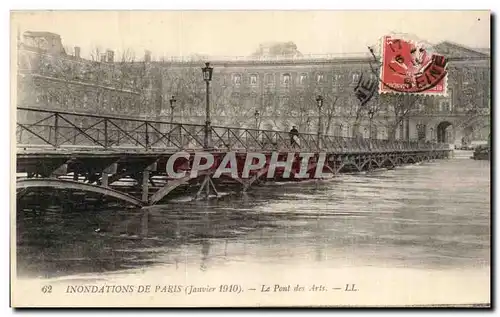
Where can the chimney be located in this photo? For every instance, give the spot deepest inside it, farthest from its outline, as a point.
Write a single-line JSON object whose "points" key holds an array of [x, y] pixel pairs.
{"points": [[103, 58], [77, 51], [110, 56], [147, 56]]}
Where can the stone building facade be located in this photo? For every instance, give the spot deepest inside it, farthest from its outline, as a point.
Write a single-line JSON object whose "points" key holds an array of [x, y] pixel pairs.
{"points": [[49, 77], [283, 89], [271, 89]]}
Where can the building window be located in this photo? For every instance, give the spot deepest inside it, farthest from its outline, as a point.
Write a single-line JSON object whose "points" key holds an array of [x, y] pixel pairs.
{"points": [[336, 79], [480, 74], [105, 101], [237, 79], [320, 78], [355, 131], [253, 79], [65, 102], [302, 79], [444, 106], [85, 100], [114, 102], [269, 79], [286, 79], [421, 131], [338, 130], [355, 78]]}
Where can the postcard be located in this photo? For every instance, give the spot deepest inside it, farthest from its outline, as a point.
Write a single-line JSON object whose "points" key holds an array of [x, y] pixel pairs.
{"points": [[251, 159]]}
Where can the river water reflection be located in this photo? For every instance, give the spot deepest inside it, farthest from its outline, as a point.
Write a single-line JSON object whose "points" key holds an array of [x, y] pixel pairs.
{"points": [[430, 216]]}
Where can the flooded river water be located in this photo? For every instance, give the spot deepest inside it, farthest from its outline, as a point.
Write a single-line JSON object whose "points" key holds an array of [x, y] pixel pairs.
{"points": [[432, 217]]}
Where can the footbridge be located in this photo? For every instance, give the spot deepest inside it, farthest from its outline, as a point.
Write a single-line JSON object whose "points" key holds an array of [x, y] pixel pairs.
{"points": [[129, 158]]}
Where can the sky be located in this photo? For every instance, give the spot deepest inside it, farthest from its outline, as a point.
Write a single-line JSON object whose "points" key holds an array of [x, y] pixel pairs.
{"points": [[239, 33]]}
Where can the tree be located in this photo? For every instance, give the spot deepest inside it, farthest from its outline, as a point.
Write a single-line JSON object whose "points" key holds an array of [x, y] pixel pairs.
{"points": [[301, 106], [330, 111], [402, 106], [69, 83], [186, 83]]}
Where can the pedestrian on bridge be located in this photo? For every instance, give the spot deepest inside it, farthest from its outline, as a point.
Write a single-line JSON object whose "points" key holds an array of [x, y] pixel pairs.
{"points": [[294, 137]]}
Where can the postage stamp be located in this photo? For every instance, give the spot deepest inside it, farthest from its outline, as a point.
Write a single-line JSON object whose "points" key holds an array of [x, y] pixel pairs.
{"points": [[411, 67], [196, 159]]}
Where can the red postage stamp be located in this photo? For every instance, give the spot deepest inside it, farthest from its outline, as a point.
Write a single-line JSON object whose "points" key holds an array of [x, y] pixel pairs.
{"points": [[409, 67]]}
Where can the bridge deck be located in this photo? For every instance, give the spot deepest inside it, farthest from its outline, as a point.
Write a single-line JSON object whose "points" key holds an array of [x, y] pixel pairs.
{"points": [[96, 152], [48, 130]]}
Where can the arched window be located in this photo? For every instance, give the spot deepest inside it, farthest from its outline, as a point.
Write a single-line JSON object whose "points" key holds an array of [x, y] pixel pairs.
{"points": [[237, 79], [253, 79], [355, 78], [286, 79], [303, 79]]}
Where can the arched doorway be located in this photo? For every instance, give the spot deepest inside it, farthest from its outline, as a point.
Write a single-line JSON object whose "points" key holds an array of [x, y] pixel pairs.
{"points": [[445, 132]]}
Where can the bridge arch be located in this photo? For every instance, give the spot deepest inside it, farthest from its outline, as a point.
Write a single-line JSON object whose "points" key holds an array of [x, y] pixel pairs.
{"points": [[68, 184]]}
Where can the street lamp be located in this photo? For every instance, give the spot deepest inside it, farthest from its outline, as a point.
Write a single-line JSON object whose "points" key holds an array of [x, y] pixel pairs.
{"points": [[319, 102], [172, 106], [371, 113], [207, 77], [256, 115]]}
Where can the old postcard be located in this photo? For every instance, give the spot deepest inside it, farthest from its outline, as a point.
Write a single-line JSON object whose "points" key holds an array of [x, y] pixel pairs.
{"points": [[250, 158]]}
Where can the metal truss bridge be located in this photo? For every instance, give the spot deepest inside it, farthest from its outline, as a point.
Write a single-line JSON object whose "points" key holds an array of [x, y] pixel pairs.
{"points": [[126, 158]]}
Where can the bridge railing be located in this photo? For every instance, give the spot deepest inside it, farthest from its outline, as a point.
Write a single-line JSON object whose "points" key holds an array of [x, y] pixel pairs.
{"points": [[40, 128]]}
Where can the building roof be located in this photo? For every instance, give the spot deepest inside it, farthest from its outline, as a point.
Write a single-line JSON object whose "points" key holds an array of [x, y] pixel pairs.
{"points": [[44, 34], [484, 50], [460, 49]]}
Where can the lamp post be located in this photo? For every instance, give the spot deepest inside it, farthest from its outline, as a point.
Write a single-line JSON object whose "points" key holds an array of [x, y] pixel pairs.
{"points": [[172, 106], [256, 115], [207, 77], [319, 102], [371, 113]]}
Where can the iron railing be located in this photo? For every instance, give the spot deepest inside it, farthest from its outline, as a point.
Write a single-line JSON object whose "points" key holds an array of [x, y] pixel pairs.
{"points": [[39, 128]]}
